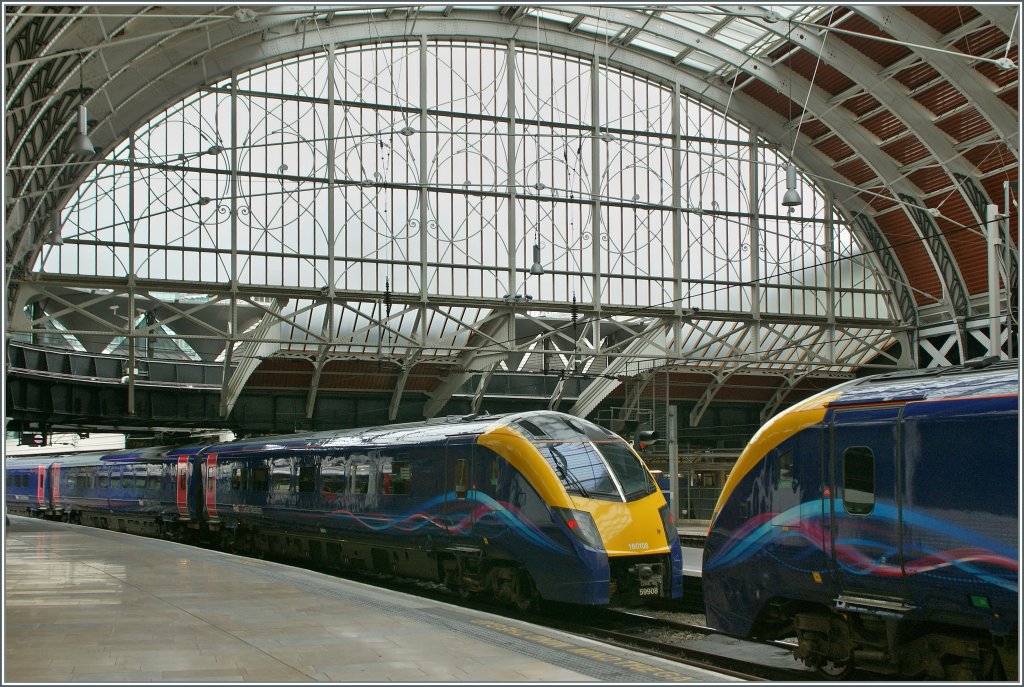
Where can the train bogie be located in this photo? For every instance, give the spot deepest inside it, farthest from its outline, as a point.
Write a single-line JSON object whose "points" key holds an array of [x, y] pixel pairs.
{"points": [[877, 524]]}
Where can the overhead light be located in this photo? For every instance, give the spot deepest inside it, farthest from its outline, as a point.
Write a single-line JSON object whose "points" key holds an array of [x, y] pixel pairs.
{"points": [[407, 131], [80, 144], [536, 267], [792, 196]]}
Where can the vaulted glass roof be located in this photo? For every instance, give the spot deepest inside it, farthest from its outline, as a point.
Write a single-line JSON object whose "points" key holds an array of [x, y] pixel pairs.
{"points": [[488, 185]]}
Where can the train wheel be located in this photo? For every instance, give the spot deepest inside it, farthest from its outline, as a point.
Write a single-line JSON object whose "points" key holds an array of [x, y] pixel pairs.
{"points": [[832, 670], [526, 598]]}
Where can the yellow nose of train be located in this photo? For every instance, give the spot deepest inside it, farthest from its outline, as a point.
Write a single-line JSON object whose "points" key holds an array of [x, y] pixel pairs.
{"points": [[628, 528]]}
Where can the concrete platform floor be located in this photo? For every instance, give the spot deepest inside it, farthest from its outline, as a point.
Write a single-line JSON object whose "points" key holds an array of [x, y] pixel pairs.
{"points": [[89, 605]]}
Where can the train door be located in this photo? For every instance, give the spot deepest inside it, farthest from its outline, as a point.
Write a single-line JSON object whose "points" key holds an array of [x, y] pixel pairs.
{"points": [[458, 499], [41, 489], [182, 488], [208, 466], [865, 504]]}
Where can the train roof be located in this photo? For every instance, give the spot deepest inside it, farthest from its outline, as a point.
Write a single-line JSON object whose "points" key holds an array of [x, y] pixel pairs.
{"points": [[985, 378], [425, 432], [538, 424]]}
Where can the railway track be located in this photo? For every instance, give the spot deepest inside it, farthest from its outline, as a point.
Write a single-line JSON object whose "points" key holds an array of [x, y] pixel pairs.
{"points": [[682, 642]]}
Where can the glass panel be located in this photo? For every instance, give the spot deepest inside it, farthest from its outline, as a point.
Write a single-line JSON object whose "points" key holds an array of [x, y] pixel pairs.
{"points": [[260, 478], [510, 162], [859, 480], [307, 479], [461, 477], [281, 479], [635, 480], [332, 475], [239, 478], [361, 479]]}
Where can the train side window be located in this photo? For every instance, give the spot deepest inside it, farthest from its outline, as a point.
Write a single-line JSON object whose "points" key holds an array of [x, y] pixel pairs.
{"points": [[307, 479], [81, 482], [401, 477], [126, 478], [102, 480], [238, 478], [154, 477], [461, 477], [784, 470], [140, 477], [495, 471], [858, 480], [332, 475], [360, 478], [281, 477], [260, 478]]}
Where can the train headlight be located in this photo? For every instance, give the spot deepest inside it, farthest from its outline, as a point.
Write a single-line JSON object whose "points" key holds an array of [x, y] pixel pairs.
{"points": [[582, 526]]}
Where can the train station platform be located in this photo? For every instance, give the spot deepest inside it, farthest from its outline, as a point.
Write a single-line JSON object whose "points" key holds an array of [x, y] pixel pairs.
{"points": [[692, 535], [89, 605]]}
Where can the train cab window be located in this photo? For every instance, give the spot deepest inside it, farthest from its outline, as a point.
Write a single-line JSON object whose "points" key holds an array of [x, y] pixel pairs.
{"points": [[858, 480], [307, 479]]}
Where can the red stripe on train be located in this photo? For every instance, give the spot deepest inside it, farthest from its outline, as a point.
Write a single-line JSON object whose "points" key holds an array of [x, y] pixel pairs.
{"points": [[211, 485], [183, 486]]}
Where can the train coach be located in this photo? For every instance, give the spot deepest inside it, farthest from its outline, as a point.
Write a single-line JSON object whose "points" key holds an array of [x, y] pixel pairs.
{"points": [[877, 522], [28, 489], [523, 507]]}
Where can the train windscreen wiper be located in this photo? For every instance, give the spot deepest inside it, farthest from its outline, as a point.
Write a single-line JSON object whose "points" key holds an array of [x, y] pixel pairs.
{"points": [[566, 474]]}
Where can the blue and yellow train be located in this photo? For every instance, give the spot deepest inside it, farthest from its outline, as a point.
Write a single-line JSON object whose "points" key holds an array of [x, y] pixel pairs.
{"points": [[523, 507], [877, 523]]}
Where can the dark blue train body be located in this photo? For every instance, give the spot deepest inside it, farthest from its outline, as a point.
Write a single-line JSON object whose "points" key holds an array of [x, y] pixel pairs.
{"points": [[524, 507], [878, 523]]}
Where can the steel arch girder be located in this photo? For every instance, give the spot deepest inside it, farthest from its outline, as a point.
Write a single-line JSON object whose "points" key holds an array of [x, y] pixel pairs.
{"points": [[897, 21]]}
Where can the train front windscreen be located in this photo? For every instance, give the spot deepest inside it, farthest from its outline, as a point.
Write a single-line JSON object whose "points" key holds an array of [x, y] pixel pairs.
{"points": [[589, 460]]}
